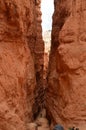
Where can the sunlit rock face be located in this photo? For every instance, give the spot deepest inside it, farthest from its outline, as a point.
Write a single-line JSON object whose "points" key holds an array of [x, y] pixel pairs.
{"points": [[66, 94], [18, 31]]}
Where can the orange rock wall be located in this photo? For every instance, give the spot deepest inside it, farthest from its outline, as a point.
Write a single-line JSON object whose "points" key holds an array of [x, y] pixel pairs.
{"points": [[39, 47], [18, 43], [66, 94], [39, 60]]}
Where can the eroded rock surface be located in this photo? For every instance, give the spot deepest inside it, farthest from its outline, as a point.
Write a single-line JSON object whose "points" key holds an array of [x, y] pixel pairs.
{"points": [[18, 38], [66, 95], [39, 61]]}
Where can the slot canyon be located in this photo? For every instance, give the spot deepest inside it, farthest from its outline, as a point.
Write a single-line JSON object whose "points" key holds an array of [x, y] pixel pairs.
{"points": [[31, 99]]}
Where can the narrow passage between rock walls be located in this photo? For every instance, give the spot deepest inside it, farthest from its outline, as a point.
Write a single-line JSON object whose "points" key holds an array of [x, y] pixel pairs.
{"points": [[41, 122]]}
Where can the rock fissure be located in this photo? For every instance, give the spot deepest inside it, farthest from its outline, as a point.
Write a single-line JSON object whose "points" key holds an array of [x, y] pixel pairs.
{"points": [[32, 96]]}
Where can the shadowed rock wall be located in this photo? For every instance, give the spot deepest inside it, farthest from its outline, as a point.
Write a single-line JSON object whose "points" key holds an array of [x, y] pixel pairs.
{"points": [[66, 94], [38, 60]]}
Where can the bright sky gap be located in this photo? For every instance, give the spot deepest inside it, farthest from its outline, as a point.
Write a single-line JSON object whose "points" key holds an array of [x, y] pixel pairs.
{"points": [[47, 8]]}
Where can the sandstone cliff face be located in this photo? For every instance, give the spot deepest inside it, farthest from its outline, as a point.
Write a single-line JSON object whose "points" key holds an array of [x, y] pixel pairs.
{"points": [[66, 94], [18, 39]]}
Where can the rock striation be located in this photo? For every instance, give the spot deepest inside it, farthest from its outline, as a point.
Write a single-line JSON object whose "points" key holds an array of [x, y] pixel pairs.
{"points": [[20, 47], [38, 60], [66, 94]]}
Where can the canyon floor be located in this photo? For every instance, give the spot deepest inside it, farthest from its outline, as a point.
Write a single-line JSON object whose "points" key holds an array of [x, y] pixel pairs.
{"points": [[41, 122]]}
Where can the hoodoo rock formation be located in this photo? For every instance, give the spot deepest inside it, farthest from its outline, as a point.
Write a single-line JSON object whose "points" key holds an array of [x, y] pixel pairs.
{"points": [[21, 52], [22, 95], [66, 94]]}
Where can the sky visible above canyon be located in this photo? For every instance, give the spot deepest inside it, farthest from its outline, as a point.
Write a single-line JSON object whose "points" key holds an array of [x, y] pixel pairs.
{"points": [[47, 8]]}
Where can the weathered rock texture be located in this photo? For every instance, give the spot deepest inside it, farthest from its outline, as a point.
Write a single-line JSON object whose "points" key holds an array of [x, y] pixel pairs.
{"points": [[20, 44], [39, 60], [66, 94]]}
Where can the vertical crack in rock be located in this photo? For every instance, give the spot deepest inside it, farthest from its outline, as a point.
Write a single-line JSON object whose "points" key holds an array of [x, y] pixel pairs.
{"points": [[39, 62], [22, 95]]}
